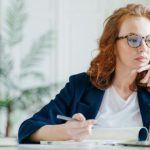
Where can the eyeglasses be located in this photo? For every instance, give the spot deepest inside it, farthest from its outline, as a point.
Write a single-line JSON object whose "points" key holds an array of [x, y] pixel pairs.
{"points": [[135, 41]]}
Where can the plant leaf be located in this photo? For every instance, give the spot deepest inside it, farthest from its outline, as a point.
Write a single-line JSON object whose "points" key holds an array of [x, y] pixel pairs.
{"points": [[38, 50], [15, 20]]}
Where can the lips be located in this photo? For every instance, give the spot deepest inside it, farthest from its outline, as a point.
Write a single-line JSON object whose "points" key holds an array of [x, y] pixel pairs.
{"points": [[140, 58]]}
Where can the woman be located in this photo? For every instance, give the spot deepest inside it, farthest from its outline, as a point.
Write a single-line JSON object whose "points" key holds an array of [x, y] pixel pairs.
{"points": [[113, 93]]}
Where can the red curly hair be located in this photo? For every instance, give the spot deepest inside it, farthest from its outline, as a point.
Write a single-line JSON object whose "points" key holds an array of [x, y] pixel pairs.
{"points": [[102, 67]]}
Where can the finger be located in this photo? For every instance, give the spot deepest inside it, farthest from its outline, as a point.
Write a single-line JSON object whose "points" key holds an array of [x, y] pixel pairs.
{"points": [[148, 84], [80, 130], [81, 124], [75, 133], [86, 123], [79, 117], [91, 121], [83, 135], [77, 124], [146, 78], [144, 68]]}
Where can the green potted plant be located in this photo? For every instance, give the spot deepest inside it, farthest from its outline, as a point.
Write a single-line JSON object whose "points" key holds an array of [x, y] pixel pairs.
{"points": [[12, 94]]}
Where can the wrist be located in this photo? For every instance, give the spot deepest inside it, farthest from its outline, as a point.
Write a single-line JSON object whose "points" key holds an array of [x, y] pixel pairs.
{"points": [[62, 131]]}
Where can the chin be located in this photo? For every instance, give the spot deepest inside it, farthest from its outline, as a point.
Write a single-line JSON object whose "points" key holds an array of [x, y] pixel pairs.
{"points": [[141, 64]]}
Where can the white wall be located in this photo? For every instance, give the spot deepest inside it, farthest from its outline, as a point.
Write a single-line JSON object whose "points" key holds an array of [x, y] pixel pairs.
{"points": [[79, 24]]}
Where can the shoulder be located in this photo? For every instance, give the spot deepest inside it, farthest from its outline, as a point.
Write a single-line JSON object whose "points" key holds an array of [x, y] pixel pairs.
{"points": [[80, 78], [144, 95], [144, 91]]}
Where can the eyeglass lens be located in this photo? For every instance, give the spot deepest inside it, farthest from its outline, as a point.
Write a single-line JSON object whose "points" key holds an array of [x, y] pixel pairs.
{"points": [[135, 40]]}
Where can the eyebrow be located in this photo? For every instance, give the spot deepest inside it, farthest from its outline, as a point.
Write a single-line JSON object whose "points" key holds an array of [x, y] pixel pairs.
{"points": [[132, 33]]}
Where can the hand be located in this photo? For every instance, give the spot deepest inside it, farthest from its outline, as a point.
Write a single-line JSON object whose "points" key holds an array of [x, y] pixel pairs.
{"points": [[80, 129], [146, 79]]}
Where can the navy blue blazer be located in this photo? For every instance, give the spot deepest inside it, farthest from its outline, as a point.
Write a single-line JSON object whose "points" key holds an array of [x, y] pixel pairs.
{"points": [[78, 96]]}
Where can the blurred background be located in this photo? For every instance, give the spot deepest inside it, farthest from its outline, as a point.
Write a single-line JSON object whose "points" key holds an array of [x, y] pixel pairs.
{"points": [[42, 43]]}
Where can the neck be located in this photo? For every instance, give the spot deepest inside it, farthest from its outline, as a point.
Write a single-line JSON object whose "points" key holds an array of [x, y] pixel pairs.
{"points": [[123, 79]]}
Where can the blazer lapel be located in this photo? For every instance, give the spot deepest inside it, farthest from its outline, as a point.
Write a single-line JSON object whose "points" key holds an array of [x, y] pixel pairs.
{"points": [[95, 99], [90, 102], [144, 104]]}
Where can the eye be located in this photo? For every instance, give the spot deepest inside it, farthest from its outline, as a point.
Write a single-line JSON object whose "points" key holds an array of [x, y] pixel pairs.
{"points": [[134, 40], [148, 40]]}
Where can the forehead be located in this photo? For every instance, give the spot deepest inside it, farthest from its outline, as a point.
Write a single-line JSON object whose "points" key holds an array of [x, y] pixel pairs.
{"points": [[138, 25]]}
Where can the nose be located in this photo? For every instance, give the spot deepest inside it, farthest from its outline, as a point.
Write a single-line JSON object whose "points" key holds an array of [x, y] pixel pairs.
{"points": [[142, 47]]}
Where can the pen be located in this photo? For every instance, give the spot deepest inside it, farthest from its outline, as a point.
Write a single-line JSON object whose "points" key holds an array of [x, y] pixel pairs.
{"points": [[65, 118], [69, 119]]}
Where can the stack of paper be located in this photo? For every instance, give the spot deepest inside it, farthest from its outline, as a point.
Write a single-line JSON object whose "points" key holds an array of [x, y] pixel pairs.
{"points": [[8, 142], [125, 134]]}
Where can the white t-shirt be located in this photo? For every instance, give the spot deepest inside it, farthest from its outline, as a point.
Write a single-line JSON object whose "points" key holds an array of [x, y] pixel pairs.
{"points": [[116, 112]]}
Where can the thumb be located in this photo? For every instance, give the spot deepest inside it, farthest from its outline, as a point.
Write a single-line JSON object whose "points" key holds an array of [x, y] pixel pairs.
{"points": [[79, 117]]}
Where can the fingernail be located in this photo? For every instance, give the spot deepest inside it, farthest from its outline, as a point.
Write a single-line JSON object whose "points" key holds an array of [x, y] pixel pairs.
{"points": [[92, 122], [143, 81]]}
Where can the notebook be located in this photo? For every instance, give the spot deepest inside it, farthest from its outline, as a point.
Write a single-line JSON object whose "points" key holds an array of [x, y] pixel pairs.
{"points": [[136, 143], [124, 134]]}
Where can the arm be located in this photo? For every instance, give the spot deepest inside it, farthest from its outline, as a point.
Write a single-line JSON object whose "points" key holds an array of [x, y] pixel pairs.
{"points": [[71, 130], [49, 133], [46, 117]]}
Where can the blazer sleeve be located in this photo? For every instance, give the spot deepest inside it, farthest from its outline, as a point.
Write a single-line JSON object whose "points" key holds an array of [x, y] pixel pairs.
{"points": [[47, 115]]}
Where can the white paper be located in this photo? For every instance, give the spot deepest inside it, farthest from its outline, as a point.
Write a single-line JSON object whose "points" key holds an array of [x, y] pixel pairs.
{"points": [[8, 142], [125, 134]]}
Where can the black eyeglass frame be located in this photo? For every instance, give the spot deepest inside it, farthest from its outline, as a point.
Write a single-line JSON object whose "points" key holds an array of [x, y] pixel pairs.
{"points": [[126, 37]]}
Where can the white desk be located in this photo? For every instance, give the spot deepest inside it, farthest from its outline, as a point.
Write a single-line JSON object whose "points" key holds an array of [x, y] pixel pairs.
{"points": [[65, 145], [72, 147]]}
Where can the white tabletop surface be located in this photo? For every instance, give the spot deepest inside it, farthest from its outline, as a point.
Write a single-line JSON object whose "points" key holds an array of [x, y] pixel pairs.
{"points": [[75, 146], [11, 144]]}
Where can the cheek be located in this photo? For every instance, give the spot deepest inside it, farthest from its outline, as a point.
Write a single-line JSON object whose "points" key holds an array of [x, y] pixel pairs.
{"points": [[149, 55], [123, 51]]}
